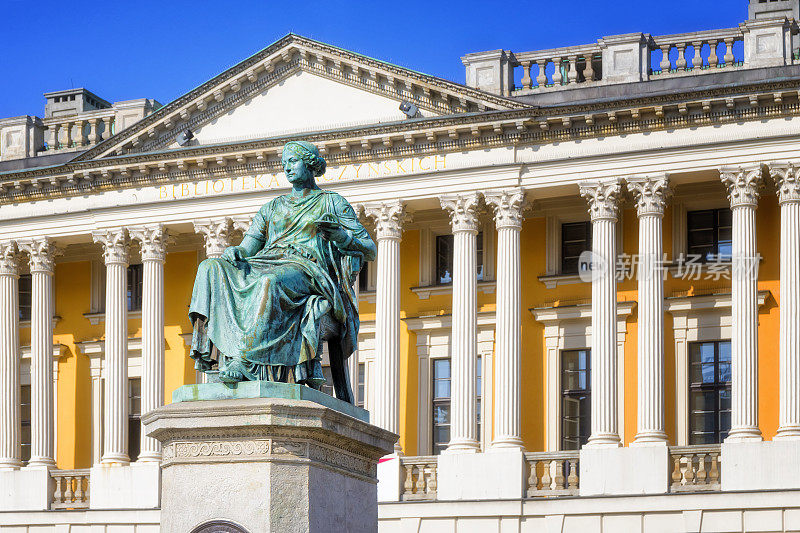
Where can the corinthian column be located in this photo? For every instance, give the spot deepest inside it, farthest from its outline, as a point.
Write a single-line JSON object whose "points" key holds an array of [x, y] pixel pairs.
{"points": [[602, 197], [115, 434], [389, 218], [464, 337], [42, 254], [743, 186], [651, 198], [507, 418], [787, 182], [216, 235], [9, 357], [153, 247]]}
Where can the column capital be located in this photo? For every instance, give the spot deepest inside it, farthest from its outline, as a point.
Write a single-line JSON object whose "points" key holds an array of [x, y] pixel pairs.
{"points": [[507, 205], [650, 193], [463, 211], [787, 181], [9, 259], [115, 245], [216, 233], [603, 198], [743, 184], [153, 241], [389, 218], [42, 253]]}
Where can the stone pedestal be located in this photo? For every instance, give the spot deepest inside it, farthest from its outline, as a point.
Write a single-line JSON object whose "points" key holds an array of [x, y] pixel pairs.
{"points": [[643, 469], [267, 457], [496, 475], [770, 465], [134, 486], [26, 489]]}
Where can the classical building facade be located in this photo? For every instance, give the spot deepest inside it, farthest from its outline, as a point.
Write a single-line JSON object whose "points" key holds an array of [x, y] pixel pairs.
{"points": [[584, 315]]}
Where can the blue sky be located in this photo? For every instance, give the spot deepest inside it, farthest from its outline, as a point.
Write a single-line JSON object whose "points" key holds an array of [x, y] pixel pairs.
{"points": [[125, 50]]}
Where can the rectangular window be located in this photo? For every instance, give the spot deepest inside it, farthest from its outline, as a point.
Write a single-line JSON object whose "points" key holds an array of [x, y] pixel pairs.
{"points": [[709, 234], [25, 415], [361, 384], [441, 403], [709, 392], [444, 258], [25, 297], [134, 417], [576, 238], [135, 279], [575, 398], [363, 278]]}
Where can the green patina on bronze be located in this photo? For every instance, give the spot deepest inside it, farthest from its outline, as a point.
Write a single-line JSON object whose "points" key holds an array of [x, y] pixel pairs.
{"points": [[263, 310]]}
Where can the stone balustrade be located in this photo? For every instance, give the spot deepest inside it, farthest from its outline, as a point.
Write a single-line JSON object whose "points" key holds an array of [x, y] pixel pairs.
{"points": [[78, 131], [552, 473], [695, 52], [695, 468], [72, 489], [559, 67], [419, 478]]}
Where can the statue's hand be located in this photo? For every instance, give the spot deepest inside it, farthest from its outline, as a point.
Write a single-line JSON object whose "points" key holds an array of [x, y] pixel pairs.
{"points": [[233, 255], [337, 234]]}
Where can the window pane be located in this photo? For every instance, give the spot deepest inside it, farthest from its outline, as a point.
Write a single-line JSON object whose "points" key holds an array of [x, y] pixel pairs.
{"points": [[441, 369], [575, 239], [575, 403], [700, 219], [704, 401], [441, 388], [480, 256], [134, 437], [710, 393], [444, 259], [25, 297], [725, 351]]}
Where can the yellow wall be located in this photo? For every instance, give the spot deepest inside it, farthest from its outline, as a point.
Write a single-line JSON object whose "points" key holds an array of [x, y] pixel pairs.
{"points": [[72, 300]]}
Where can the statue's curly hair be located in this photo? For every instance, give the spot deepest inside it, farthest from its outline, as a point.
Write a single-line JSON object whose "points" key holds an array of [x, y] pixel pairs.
{"points": [[309, 154]]}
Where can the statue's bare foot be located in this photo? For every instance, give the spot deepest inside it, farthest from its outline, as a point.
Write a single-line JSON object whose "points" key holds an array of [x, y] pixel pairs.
{"points": [[231, 376]]}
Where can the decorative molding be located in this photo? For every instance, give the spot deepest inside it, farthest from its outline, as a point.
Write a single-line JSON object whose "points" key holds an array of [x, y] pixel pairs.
{"points": [[153, 241], [423, 293], [100, 318], [389, 218], [115, 245], [787, 181], [650, 194], [603, 198], [463, 211], [743, 184], [9, 259], [508, 206], [216, 234], [41, 252]]}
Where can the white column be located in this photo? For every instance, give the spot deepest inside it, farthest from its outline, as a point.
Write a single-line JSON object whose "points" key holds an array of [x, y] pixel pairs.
{"points": [[507, 420], [743, 192], [153, 247], [389, 218], [464, 337], [651, 197], [42, 263], [216, 235], [9, 357], [115, 431], [787, 182], [602, 197]]}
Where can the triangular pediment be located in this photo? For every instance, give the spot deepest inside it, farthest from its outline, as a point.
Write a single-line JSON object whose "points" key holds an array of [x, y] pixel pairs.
{"points": [[296, 85]]}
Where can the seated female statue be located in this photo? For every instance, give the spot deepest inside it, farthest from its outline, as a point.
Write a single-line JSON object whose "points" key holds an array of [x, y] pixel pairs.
{"points": [[261, 311]]}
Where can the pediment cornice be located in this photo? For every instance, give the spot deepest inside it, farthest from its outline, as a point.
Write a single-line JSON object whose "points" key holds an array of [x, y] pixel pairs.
{"points": [[276, 62]]}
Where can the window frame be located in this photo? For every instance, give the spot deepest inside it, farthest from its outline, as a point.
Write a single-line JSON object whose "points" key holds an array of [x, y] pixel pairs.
{"points": [[567, 393], [716, 387], [715, 228], [588, 225]]}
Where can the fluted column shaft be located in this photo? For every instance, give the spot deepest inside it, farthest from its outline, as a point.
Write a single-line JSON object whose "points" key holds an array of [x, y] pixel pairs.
{"points": [[787, 181], [389, 218], [650, 195], [602, 198], [507, 419], [464, 336], [42, 264], [115, 433], [743, 185], [10, 428], [153, 247]]}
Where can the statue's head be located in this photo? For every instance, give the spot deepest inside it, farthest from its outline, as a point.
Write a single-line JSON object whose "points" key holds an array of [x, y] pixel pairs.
{"points": [[302, 162]]}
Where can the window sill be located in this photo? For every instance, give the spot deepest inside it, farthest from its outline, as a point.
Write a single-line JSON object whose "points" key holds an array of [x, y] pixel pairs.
{"points": [[551, 281], [99, 318], [366, 296], [423, 293], [27, 323]]}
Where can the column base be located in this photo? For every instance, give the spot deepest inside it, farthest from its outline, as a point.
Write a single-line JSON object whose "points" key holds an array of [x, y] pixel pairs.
{"points": [[463, 446], [465, 476], [153, 457], [131, 486], [747, 434], [268, 464], [510, 443], [760, 465], [41, 462], [788, 433], [624, 471], [604, 440], [10, 464], [650, 438], [27, 489]]}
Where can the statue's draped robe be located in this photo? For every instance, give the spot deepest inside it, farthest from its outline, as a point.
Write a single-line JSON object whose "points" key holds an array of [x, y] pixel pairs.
{"points": [[267, 311]]}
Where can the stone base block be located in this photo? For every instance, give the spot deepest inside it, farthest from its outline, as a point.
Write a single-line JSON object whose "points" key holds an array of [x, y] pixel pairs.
{"points": [[133, 486], [26, 489], [389, 478], [760, 465], [267, 464], [494, 475], [624, 471]]}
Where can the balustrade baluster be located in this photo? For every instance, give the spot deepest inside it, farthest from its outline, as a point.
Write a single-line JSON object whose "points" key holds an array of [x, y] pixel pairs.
{"points": [[689, 469], [69, 493], [665, 64], [408, 486], [79, 494], [677, 475], [559, 479], [55, 136], [680, 64], [527, 82], [558, 76], [572, 75], [713, 474], [701, 469], [588, 71], [547, 480], [432, 481], [729, 52], [572, 478], [712, 53], [57, 494], [424, 471], [697, 60], [533, 478], [541, 78]]}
